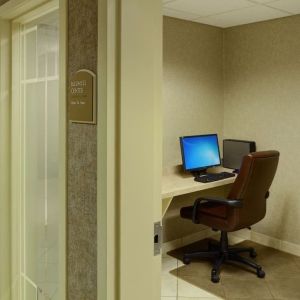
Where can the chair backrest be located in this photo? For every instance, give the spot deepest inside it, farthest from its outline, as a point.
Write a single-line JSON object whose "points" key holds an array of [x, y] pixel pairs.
{"points": [[252, 187]]}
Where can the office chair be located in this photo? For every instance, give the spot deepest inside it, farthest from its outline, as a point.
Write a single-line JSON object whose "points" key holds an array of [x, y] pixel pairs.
{"points": [[244, 206]]}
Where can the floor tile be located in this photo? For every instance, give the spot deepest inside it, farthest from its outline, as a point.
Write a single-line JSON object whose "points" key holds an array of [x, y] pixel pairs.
{"points": [[196, 268], [238, 282], [267, 255], [281, 268], [201, 298], [285, 288], [238, 271], [168, 264], [249, 298], [297, 261], [278, 264], [247, 289], [190, 286], [290, 298], [168, 285]]}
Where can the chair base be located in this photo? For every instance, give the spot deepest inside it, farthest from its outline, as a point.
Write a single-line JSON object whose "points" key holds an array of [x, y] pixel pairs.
{"points": [[221, 253]]}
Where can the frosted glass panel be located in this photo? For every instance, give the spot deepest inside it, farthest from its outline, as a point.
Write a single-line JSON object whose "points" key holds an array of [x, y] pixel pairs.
{"points": [[30, 53], [34, 173], [40, 133], [31, 291]]}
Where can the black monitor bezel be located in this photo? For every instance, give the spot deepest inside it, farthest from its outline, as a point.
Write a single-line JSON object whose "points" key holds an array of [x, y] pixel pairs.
{"points": [[183, 154]]}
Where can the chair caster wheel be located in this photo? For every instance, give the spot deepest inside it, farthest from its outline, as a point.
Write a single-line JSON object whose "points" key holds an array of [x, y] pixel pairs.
{"points": [[186, 260], [260, 273], [253, 254], [215, 278]]}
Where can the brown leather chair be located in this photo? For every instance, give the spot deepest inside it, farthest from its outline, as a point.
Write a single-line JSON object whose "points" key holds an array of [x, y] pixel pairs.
{"points": [[244, 206]]}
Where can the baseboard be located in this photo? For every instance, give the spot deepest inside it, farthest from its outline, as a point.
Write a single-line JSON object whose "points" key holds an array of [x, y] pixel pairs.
{"points": [[171, 245], [234, 238], [275, 243], [239, 236], [186, 240]]}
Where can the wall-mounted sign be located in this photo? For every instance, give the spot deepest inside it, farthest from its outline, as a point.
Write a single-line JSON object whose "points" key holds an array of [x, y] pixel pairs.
{"points": [[82, 97]]}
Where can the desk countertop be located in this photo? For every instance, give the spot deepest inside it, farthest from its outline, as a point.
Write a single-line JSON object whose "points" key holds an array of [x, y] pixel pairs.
{"points": [[176, 183]]}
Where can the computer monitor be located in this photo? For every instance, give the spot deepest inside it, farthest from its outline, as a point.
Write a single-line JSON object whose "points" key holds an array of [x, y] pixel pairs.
{"points": [[200, 152], [234, 152]]}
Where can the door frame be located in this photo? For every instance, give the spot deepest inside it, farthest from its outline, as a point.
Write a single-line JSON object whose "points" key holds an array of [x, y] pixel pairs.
{"points": [[129, 203], [5, 225], [8, 12]]}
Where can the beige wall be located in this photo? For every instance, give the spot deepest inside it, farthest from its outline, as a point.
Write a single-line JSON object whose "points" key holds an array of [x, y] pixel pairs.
{"points": [[193, 99], [260, 64], [192, 83], [262, 102]]}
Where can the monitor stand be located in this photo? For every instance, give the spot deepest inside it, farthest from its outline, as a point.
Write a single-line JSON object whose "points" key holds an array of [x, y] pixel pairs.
{"points": [[199, 173]]}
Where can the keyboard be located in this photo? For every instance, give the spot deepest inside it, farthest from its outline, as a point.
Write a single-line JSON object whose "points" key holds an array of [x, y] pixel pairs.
{"points": [[210, 177]]}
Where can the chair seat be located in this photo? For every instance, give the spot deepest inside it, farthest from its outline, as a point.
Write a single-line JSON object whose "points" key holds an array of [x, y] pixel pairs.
{"points": [[211, 209]]}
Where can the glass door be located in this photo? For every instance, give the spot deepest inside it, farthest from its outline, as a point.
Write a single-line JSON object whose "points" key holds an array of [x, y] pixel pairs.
{"points": [[38, 151]]}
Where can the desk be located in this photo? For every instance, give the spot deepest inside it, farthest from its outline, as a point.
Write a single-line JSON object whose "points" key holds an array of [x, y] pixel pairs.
{"points": [[175, 183]]}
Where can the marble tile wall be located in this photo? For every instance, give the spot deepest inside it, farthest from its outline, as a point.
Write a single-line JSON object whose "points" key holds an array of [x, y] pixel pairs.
{"points": [[82, 163]]}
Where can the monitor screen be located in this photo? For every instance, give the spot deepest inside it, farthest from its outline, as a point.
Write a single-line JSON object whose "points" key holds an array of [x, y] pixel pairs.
{"points": [[200, 152]]}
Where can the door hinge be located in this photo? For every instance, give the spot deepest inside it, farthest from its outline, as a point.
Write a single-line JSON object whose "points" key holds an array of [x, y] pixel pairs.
{"points": [[157, 238]]}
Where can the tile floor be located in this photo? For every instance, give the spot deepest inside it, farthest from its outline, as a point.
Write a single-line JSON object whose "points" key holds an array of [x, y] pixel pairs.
{"points": [[192, 282]]}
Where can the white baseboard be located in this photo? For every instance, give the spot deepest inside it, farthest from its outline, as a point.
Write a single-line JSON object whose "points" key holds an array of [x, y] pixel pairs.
{"points": [[189, 239], [275, 243], [198, 236], [234, 237], [171, 245], [240, 235]]}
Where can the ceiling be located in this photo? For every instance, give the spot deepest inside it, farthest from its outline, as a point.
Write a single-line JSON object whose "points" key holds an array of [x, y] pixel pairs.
{"points": [[228, 13]]}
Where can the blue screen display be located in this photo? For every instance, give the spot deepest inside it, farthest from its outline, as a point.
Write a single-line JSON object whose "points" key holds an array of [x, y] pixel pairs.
{"points": [[200, 151]]}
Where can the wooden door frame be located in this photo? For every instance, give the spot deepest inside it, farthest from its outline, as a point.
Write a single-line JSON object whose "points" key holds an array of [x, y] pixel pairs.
{"points": [[8, 12], [130, 36]]}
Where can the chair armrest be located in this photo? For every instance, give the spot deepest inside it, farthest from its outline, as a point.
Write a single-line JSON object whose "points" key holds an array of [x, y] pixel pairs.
{"points": [[228, 202]]}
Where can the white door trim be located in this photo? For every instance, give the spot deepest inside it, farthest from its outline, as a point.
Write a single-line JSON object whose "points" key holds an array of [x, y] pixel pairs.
{"points": [[15, 8], [129, 170], [5, 205]]}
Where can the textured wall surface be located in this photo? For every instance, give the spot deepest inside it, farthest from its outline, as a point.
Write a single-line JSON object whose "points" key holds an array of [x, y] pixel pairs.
{"points": [[262, 102], [82, 164], [193, 98], [192, 86]]}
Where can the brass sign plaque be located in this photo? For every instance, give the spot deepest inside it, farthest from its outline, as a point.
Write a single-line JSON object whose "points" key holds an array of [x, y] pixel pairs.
{"points": [[82, 97]]}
